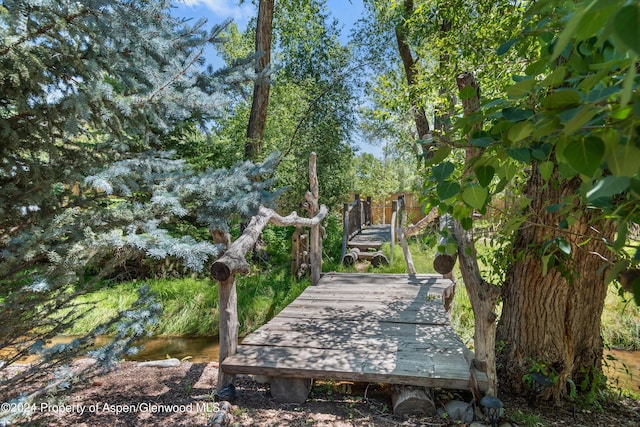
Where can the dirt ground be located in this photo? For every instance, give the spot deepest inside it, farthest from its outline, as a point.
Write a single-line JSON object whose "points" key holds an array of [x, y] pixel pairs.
{"points": [[183, 396]]}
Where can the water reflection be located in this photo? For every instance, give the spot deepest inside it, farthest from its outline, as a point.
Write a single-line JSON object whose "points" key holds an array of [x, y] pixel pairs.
{"points": [[197, 349]]}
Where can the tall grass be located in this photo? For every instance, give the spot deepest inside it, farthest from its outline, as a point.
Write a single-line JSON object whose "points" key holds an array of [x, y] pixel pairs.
{"points": [[620, 321], [190, 306]]}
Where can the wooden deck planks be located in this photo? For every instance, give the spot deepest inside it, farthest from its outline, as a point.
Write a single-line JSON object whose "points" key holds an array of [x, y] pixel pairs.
{"points": [[371, 237], [361, 327]]}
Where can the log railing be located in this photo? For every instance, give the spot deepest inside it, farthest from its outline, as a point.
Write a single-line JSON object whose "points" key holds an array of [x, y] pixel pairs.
{"points": [[354, 216], [233, 262]]}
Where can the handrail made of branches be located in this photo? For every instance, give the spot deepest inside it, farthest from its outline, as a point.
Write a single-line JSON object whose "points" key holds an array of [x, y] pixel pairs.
{"points": [[233, 262]]}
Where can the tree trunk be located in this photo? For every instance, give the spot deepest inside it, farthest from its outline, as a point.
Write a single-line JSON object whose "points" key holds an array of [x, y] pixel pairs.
{"points": [[483, 295], [260, 101], [419, 115], [553, 319]]}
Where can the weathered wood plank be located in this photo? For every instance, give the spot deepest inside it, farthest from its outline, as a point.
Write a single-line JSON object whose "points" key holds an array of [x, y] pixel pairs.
{"points": [[320, 326], [422, 316], [436, 370], [437, 339]]}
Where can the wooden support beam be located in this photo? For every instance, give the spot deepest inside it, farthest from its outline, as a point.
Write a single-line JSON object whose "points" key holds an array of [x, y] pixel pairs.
{"points": [[411, 269], [351, 257], [394, 220], [315, 244], [410, 400]]}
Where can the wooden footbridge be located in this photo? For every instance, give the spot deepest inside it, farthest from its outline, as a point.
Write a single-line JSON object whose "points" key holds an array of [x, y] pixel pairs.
{"points": [[373, 328]]}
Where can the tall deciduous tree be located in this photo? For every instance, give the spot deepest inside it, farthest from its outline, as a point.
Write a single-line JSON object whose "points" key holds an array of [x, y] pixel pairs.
{"points": [[262, 83], [560, 141], [90, 90], [311, 100], [410, 71]]}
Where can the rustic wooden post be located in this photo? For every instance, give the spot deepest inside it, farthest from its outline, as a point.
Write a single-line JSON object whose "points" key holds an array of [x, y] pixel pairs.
{"points": [[296, 252], [394, 219], [368, 211], [358, 212], [411, 269], [315, 246], [228, 322], [224, 270], [345, 230]]}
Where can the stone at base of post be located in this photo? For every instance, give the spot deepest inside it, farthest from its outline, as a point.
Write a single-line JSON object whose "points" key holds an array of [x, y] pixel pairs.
{"points": [[290, 390], [408, 400]]}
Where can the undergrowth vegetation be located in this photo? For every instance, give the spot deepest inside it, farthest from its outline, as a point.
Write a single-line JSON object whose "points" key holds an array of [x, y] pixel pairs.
{"points": [[190, 305]]}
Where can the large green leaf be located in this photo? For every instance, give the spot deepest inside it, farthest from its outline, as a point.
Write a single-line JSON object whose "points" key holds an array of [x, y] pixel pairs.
{"points": [[484, 174], [624, 160], [475, 196], [586, 155], [504, 47], [516, 114], [520, 131], [627, 27], [521, 89], [447, 189], [608, 186], [520, 154], [442, 171], [561, 99], [546, 169], [440, 154]]}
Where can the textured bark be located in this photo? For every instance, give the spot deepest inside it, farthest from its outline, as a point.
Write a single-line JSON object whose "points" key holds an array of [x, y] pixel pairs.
{"points": [[483, 297], [260, 101], [553, 318], [228, 326]]}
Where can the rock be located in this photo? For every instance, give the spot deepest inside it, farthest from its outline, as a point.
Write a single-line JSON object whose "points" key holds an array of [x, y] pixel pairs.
{"points": [[477, 424], [222, 417], [226, 393], [290, 390], [457, 410], [164, 363]]}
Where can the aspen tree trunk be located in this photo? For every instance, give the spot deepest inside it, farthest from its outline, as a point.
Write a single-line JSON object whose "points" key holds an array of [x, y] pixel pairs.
{"points": [[553, 319], [260, 101]]}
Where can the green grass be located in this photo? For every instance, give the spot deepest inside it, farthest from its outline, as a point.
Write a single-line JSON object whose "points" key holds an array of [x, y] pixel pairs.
{"points": [[190, 306], [621, 321]]}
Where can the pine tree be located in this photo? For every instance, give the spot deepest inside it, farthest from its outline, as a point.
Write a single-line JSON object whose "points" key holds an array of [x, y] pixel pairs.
{"points": [[89, 89]]}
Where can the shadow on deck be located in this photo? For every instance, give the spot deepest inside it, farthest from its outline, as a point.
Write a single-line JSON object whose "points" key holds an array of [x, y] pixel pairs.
{"points": [[375, 328]]}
